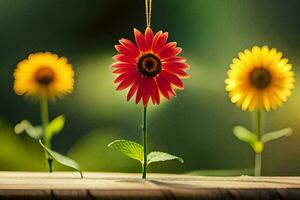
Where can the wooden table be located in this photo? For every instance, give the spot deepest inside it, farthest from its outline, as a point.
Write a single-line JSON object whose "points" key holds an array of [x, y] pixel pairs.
{"points": [[69, 185]]}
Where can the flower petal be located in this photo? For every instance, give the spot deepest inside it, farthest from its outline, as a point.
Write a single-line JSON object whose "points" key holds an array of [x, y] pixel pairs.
{"points": [[155, 97], [139, 93], [126, 82], [174, 59], [146, 91], [123, 50], [130, 46], [133, 89], [159, 41], [177, 65], [123, 76], [169, 50], [172, 78], [149, 37], [124, 58], [140, 40], [181, 73], [123, 65], [123, 70], [165, 87]]}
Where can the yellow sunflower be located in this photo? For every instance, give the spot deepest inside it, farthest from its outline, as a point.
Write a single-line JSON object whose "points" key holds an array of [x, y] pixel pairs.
{"points": [[260, 79], [44, 75]]}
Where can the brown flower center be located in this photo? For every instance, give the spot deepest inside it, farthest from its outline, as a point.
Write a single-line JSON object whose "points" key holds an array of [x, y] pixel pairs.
{"points": [[149, 65], [44, 76], [260, 78]]}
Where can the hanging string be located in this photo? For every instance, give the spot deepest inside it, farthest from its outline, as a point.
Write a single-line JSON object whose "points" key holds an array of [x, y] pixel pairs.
{"points": [[148, 5]]}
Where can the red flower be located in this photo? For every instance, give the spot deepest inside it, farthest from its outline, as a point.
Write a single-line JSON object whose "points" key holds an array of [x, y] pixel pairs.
{"points": [[150, 69]]}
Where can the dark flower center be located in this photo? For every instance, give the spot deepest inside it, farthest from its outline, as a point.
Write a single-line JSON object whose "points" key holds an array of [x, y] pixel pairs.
{"points": [[149, 65], [260, 78], [44, 76]]}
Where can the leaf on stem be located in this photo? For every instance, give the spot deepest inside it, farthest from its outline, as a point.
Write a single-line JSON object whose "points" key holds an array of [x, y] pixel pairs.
{"points": [[129, 148], [64, 160], [34, 132], [244, 135], [276, 135], [157, 156], [55, 126]]}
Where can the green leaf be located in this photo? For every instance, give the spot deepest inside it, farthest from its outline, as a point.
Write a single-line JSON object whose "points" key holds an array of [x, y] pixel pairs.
{"points": [[64, 160], [244, 135], [55, 126], [34, 132], [129, 148], [157, 156], [276, 135]]}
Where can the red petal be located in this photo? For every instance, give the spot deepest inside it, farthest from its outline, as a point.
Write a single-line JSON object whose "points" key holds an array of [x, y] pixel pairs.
{"points": [[147, 90], [155, 38], [174, 59], [124, 58], [123, 70], [149, 37], [123, 65], [123, 76], [172, 78], [159, 41], [123, 50], [133, 89], [169, 50], [164, 87], [127, 81], [178, 65], [130, 46], [139, 91], [140, 40], [170, 45], [177, 71], [155, 93]]}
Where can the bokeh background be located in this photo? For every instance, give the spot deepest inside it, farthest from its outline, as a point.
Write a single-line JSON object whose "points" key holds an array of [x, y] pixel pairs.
{"points": [[197, 125]]}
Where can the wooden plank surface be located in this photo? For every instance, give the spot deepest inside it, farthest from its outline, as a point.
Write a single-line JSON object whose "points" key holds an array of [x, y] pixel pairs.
{"points": [[69, 185]]}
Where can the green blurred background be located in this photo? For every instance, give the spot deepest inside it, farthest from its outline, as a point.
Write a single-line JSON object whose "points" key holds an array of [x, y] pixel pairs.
{"points": [[197, 125]]}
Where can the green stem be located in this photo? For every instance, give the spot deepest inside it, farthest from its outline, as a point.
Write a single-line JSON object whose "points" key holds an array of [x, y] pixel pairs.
{"points": [[45, 121], [257, 166], [144, 127]]}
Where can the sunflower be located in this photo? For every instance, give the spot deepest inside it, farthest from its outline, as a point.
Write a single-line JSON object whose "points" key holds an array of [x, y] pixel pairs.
{"points": [[150, 69], [44, 75], [260, 79]]}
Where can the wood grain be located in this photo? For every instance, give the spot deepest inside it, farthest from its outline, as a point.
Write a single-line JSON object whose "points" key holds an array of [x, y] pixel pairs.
{"points": [[69, 185]]}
